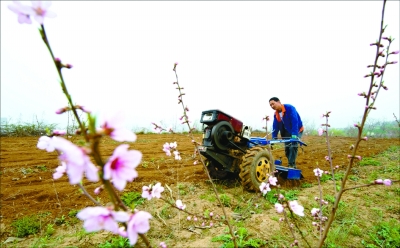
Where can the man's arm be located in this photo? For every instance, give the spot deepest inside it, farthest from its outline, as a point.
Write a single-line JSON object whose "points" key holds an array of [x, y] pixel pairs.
{"points": [[292, 113], [275, 129]]}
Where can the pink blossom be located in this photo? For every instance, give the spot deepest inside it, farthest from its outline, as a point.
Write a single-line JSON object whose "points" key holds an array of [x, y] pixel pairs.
{"points": [[264, 188], [113, 126], [211, 214], [318, 172], [158, 129], [211, 224], [320, 131], [22, 11], [365, 138], [195, 218], [177, 155], [279, 207], [45, 143], [146, 192], [60, 170], [121, 166], [387, 182], [189, 218], [122, 232], [163, 245], [315, 211], [41, 10], [157, 190], [173, 145], [358, 157], [281, 197], [296, 208], [166, 149], [272, 180], [101, 218], [378, 181], [77, 160], [327, 158], [138, 223], [180, 205]]}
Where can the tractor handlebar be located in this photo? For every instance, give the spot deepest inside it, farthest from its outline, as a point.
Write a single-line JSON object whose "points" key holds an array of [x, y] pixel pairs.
{"points": [[271, 142]]}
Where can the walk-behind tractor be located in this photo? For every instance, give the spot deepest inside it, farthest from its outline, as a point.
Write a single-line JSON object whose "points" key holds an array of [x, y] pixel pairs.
{"points": [[229, 150]]}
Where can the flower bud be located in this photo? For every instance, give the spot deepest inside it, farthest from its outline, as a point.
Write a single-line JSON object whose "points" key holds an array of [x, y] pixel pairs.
{"points": [[62, 110], [59, 132], [387, 182], [98, 190], [378, 181]]}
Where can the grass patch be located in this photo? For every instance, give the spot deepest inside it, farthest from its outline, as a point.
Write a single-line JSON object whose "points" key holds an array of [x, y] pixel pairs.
{"points": [[115, 242], [243, 239], [385, 234], [26, 226], [132, 199], [369, 161]]}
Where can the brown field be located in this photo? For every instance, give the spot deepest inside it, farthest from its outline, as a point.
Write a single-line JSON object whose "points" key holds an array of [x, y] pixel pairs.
{"points": [[27, 186]]}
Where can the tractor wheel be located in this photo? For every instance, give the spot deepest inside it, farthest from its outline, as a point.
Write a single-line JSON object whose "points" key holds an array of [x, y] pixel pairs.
{"points": [[256, 165], [215, 171]]}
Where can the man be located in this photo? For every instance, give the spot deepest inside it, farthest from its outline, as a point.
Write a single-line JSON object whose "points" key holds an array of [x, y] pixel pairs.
{"points": [[288, 122]]}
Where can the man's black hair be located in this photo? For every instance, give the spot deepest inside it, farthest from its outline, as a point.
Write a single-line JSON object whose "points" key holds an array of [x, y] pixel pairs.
{"points": [[276, 99]]}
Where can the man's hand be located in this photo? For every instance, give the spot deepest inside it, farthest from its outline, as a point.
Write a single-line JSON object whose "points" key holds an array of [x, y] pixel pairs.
{"points": [[294, 143]]}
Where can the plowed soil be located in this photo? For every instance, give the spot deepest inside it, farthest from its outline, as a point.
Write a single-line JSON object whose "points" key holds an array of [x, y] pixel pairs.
{"points": [[27, 185]]}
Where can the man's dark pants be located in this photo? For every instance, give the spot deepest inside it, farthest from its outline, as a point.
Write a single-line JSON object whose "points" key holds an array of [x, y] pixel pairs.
{"points": [[291, 148]]}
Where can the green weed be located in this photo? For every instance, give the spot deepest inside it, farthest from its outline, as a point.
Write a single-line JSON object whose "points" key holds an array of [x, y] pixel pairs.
{"points": [[226, 200], [132, 199], [50, 230], [242, 239], [42, 167], [115, 242], [306, 185], [73, 213], [26, 226]]}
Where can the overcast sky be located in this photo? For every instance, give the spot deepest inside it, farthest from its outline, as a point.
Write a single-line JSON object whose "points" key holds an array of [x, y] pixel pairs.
{"points": [[233, 56]]}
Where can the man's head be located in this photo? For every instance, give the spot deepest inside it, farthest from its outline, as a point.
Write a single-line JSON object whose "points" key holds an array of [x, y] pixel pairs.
{"points": [[275, 103]]}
